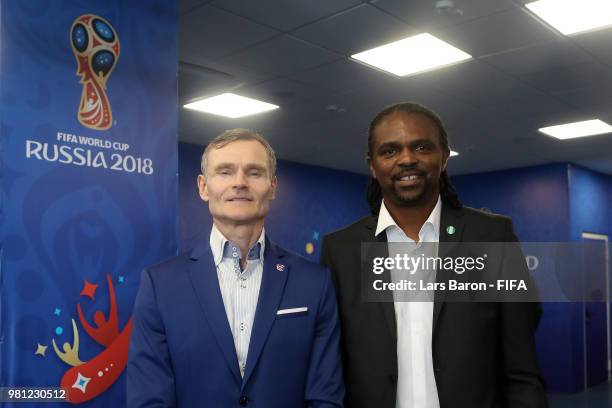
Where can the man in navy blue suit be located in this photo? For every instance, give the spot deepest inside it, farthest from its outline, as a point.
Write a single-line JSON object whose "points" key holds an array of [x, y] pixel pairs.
{"points": [[237, 321]]}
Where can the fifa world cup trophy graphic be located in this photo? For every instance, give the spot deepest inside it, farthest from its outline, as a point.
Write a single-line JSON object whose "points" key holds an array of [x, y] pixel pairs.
{"points": [[96, 47]]}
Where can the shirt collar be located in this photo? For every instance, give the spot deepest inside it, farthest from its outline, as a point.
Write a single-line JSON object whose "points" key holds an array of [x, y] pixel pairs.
{"points": [[385, 220], [221, 246]]}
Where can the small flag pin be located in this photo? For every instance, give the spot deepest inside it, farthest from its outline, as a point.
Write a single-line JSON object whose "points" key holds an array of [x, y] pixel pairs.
{"points": [[450, 230], [280, 267]]}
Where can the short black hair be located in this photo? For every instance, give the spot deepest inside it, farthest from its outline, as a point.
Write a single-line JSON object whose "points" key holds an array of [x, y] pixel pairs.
{"points": [[447, 191]]}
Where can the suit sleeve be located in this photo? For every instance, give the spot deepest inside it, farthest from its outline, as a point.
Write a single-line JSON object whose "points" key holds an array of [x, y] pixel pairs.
{"points": [[150, 378], [325, 259], [324, 386], [523, 386]]}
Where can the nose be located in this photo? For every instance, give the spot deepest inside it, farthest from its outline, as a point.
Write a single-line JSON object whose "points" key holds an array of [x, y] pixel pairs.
{"points": [[407, 157], [240, 180]]}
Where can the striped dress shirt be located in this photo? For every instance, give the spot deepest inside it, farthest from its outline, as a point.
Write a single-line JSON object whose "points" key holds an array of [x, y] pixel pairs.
{"points": [[239, 287]]}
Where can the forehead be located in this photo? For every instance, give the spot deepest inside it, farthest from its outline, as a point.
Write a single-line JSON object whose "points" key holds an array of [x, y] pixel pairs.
{"points": [[239, 152], [405, 125]]}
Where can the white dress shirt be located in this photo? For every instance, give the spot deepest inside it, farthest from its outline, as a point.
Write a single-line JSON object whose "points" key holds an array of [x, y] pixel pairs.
{"points": [[239, 287], [416, 384]]}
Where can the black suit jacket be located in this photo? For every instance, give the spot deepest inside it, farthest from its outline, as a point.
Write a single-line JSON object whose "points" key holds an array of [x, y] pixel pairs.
{"points": [[483, 353]]}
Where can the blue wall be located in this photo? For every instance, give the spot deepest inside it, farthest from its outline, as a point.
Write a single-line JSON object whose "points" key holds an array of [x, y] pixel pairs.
{"points": [[535, 197], [589, 205], [590, 202], [537, 200], [549, 203]]}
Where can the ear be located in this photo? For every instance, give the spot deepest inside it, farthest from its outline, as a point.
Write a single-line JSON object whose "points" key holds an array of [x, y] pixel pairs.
{"points": [[273, 186], [445, 158], [203, 188], [372, 171]]}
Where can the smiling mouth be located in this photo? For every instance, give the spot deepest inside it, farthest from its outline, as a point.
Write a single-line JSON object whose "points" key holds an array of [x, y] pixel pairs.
{"points": [[411, 177], [240, 199], [409, 180]]}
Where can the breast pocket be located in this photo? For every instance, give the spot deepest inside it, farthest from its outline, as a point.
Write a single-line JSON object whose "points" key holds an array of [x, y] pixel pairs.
{"points": [[291, 313]]}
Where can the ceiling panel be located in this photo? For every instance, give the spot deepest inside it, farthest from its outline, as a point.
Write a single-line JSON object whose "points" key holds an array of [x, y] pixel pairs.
{"points": [[499, 32], [344, 75], [185, 6], [568, 78], [287, 14], [468, 76], [239, 73], [596, 99], [469, 128], [364, 103], [599, 164], [525, 76], [282, 55], [343, 146], [204, 33], [355, 30], [528, 125], [283, 91], [539, 57], [197, 81], [203, 127], [193, 86], [424, 15], [481, 86], [526, 103], [597, 43]]}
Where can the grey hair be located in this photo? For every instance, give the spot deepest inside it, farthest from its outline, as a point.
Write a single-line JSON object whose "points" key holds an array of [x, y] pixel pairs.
{"points": [[237, 135]]}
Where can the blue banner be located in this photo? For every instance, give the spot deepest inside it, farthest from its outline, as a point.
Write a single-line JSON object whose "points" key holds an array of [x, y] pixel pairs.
{"points": [[88, 133]]}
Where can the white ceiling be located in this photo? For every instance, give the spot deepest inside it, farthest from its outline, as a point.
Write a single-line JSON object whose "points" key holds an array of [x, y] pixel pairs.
{"points": [[295, 54]]}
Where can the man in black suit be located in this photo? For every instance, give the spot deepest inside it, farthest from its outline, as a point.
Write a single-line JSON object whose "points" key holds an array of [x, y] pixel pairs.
{"points": [[427, 354]]}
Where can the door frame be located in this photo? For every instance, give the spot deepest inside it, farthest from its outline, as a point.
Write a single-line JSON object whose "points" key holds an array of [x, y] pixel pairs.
{"points": [[605, 238]]}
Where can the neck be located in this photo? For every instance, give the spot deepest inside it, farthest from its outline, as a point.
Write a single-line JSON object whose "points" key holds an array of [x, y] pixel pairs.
{"points": [[243, 235], [411, 218]]}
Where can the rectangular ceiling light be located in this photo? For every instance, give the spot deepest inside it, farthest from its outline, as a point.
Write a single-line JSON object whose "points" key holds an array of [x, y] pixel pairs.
{"points": [[453, 153], [231, 105], [412, 55], [571, 17], [577, 129]]}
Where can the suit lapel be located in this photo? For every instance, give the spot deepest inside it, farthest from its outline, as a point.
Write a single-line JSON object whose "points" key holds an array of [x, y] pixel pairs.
{"points": [[273, 281], [452, 227], [203, 274], [386, 306]]}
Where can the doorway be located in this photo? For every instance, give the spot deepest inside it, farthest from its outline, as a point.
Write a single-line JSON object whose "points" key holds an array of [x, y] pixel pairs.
{"points": [[596, 310]]}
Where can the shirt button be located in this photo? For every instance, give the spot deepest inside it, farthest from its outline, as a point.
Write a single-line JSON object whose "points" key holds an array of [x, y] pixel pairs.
{"points": [[242, 326], [242, 285]]}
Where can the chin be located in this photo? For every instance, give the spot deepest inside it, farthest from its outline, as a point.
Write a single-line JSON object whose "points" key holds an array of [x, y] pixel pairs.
{"points": [[413, 197], [412, 200], [244, 218]]}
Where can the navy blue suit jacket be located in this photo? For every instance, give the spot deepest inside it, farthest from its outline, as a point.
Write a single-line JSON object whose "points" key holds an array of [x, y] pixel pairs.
{"points": [[182, 351]]}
